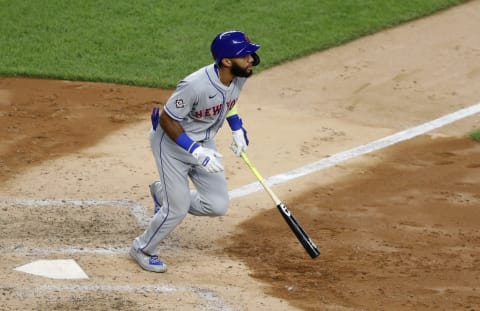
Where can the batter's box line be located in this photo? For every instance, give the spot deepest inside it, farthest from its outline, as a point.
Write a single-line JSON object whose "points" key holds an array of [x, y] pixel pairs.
{"points": [[71, 250], [138, 210], [78, 250], [212, 299], [143, 218], [141, 214]]}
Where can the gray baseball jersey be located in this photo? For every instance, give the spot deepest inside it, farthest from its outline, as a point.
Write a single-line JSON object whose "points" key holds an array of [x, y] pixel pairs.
{"points": [[201, 102]]}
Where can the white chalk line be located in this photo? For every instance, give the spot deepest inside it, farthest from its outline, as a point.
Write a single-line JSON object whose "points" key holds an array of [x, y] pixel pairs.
{"points": [[143, 216], [213, 300], [139, 211], [358, 151], [210, 299], [78, 250], [70, 250]]}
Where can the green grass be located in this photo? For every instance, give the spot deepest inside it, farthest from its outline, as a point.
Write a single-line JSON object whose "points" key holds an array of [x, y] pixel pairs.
{"points": [[475, 135], [155, 43]]}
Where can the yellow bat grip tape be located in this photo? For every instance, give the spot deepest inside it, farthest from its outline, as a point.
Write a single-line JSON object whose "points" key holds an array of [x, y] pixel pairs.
{"points": [[260, 179]]}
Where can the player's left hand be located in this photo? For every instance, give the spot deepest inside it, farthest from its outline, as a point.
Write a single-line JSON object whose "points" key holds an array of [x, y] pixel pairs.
{"points": [[240, 141], [155, 117]]}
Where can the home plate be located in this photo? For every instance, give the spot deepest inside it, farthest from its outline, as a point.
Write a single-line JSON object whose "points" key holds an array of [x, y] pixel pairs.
{"points": [[54, 269]]}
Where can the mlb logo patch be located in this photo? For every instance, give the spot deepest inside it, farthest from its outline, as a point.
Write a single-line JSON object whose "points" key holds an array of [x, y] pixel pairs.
{"points": [[179, 103]]}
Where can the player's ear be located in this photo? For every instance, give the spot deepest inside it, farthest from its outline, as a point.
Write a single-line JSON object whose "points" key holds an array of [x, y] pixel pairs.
{"points": [[227, 62]]}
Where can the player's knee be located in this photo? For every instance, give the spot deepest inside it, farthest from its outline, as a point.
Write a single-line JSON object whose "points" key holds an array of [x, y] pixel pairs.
{"points": [[221, 211], [220, 206]]}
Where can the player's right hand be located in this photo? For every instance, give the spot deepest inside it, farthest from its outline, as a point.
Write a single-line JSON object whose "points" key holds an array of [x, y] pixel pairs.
{"points": [[209, 159], [240, 141]]}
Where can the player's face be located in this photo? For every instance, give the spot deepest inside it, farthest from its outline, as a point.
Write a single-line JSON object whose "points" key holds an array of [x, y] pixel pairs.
{"points": [[242, 66]]}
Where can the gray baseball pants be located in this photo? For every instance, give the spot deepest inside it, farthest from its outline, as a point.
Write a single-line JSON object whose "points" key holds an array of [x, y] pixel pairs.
{"points": [[175, 166]]}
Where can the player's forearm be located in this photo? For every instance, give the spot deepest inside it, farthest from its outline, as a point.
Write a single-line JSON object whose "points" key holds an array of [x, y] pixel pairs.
{"points": [[172, 127], [175, 131]]}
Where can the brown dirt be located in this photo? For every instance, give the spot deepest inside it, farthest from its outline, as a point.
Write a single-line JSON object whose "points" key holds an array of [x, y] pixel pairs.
{"points": [[46, 119], [397, 228], [401, 234]]}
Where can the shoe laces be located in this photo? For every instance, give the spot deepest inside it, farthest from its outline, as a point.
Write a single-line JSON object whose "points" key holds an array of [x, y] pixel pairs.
{"points": [[154, 260]]}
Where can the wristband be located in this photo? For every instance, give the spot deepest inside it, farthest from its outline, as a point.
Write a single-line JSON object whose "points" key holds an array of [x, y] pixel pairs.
{"points": [[186, 142], [235, 122]]}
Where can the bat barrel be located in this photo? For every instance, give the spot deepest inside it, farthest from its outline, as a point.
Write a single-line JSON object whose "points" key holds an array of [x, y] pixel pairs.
{"points": [[301, 235]]}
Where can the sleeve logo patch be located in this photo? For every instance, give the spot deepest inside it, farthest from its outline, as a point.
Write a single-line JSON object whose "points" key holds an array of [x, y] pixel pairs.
{"points": [[179, 103]]}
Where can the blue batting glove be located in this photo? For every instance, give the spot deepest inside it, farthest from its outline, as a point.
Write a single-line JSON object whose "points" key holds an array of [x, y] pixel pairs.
{"points": [[155, 117]]}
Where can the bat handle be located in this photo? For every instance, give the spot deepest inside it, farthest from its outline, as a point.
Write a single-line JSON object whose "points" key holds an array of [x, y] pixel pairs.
{"points": [[260, 178]]}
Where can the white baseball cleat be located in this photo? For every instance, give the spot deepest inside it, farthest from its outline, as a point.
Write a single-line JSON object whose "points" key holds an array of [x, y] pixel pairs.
{"points": [[147, 262], [156, 193]]}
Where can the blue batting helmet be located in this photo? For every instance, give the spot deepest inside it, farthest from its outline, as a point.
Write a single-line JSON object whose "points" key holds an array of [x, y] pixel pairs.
{"points": [[231, 44]]}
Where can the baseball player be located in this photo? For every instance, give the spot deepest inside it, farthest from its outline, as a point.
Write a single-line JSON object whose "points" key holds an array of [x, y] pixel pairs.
{"points": [[183, 145]]}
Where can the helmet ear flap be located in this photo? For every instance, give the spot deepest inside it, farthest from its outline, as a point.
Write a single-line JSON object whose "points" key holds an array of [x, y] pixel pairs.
{"points": [[256, 59]]}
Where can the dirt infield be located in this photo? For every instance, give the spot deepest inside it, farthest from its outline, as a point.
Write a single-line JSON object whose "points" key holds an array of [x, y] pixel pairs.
{"points": [[397, 227]]}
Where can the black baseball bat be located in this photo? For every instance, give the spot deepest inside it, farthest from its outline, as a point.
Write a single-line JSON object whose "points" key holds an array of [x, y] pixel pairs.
{"points": [[297, 229]]}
